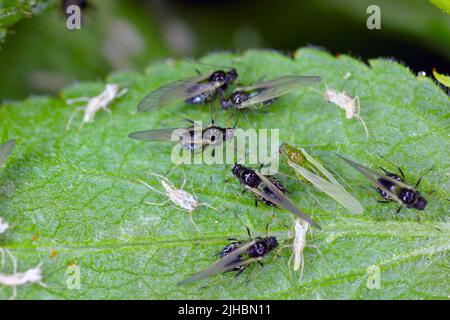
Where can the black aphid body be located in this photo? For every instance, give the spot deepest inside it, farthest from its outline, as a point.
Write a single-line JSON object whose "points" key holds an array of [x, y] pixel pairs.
{"points": [[225, 78], [388, 185], [249, 178], [246, 176], [260, 248], [409, 197]]}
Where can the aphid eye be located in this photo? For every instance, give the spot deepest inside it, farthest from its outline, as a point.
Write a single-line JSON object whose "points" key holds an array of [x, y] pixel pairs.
{"points": [[421, 203], [272, 242]]}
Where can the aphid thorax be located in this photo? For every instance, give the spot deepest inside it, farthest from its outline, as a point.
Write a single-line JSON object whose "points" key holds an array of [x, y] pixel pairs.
{"points": [[94, 104]]}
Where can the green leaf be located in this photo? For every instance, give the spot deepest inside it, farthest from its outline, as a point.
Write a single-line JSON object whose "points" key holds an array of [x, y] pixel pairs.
{"points": [[12, 11], [442, 79], [443, 4], [73, 197]]}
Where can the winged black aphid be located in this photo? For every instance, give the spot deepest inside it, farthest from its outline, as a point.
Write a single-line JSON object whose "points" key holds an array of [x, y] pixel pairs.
{"points": [[195, 90], [263, 93], [392, 187], [268, 190]]}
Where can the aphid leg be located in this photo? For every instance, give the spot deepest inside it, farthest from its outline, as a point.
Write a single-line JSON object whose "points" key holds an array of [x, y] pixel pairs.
{"points": [[157, 204], [261, 264], [2, 259], [192, 221], [420, 179], [14, 263], [383, 201], [239, 272], [106, 109], [358, 116], [13, 260], [417, 218], [248, 232], [121, 93], [398, 210], [401, 173], [77, 100], [73, 115], [303, 266]]}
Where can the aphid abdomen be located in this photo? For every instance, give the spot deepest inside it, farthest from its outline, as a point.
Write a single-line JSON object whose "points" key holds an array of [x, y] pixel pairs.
{"points": [[230, 248], [388, 185], [266, 190]]}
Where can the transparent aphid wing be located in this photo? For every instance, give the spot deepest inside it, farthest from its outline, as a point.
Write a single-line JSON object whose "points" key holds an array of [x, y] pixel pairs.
{"points": [[276, 88], [281, 199], [173, 134], [176, 92], [5, 151], [334, 190], [226, 263]]}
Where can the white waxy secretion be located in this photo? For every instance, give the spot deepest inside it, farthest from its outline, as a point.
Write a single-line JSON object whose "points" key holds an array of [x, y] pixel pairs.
{"points": [[350, 105], [17, 279], [94, 104], [178, 196], [3, 226], [301, 227]]}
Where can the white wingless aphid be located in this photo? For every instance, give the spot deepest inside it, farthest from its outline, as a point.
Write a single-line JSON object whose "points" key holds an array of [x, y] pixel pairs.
{"points": [[94, 104], [16, 279], [3, 226], [180, 197], [300, 228], [350, 105]]}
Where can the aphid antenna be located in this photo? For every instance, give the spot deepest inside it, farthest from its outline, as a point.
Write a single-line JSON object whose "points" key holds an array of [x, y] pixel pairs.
{"points": [[421, 177], [208, 64], [153, 189]]}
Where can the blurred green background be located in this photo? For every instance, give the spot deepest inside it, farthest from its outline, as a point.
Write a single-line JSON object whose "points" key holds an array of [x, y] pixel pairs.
{"points": [[40, 55]]}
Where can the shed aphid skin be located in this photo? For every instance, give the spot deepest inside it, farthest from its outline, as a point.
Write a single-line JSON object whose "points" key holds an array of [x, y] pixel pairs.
{"points": [[5, 151], [3, 225], [179, 197], [94, 104], [312, 171], [264, 93], [301, 228], [392, 187], [17, 279], [350, 105], [195, 90]]}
